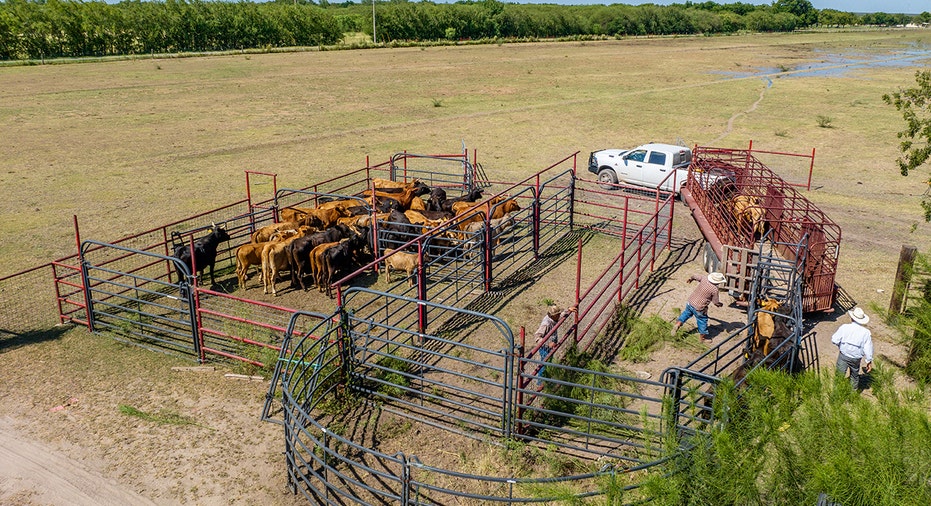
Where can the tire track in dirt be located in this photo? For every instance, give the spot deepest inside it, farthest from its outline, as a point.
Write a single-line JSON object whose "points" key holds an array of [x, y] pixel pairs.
{"points": [[31, 473]]}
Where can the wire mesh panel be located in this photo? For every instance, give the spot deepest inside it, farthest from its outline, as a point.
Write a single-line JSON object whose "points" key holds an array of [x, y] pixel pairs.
{"points": [[637, 226], [455, 374], [514, 240], [324, 465], [309, 199], [690, 396], [434, 485], [454, 173], [455, 265], [446, 379], [29, 299]]}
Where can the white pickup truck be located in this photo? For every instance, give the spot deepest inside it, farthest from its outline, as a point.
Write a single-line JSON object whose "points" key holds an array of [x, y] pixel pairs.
{"points": [[647, 165]]}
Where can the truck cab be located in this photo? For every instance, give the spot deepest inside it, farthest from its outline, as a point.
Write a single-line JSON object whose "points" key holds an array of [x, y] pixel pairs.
{"points": [[648, 165]]}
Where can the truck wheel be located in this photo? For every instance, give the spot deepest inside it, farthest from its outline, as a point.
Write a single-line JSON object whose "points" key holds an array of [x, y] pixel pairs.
{"points": [[607, 179]]}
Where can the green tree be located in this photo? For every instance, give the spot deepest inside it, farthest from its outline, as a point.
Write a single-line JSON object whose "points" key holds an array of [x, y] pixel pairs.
{"points": [[831, 17], [915, 106], [802, 9]]}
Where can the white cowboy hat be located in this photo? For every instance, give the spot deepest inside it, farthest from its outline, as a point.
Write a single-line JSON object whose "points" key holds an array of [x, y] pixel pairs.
{"points": [[716, 278], [857, 315], [554, 312]]}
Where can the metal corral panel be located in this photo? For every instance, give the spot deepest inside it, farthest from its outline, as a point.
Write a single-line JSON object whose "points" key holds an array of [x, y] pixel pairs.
{"points": [[718, 175]]}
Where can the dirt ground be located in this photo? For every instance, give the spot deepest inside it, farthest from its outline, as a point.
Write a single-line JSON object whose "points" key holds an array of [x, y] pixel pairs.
{"points": [[85, 419]]}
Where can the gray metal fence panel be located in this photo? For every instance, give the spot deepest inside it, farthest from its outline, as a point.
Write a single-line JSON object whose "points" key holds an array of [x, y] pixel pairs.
{"points": [[130, 298]]}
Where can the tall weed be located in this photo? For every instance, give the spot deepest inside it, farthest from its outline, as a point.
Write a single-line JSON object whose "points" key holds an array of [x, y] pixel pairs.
{"points": [[788, 440]]}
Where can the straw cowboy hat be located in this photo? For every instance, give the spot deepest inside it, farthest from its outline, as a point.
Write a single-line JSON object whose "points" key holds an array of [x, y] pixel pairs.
{"points": [[857, 315], [554, 312], [716, 278]]}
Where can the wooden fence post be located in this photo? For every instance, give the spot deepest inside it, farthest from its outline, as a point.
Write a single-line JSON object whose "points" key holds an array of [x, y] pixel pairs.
{"points": [[903, 276]]}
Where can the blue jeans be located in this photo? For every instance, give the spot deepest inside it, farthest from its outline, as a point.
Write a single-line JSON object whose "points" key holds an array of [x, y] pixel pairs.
{"points": [[844, 364], [545, 351], [700, 318]]}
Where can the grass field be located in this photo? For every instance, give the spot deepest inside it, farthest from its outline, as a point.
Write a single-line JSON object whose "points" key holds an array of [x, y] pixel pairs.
{"points": [[125, 145], [129, 145]]}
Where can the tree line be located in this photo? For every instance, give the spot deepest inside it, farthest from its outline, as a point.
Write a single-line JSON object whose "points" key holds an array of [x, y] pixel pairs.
{"points": [[38, 29]]}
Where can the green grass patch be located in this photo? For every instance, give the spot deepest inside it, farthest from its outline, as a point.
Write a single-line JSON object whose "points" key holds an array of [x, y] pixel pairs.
{"points": [[162, 417]]}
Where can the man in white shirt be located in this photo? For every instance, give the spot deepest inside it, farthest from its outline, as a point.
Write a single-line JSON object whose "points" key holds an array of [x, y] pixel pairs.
{"points": [[855, 342]]}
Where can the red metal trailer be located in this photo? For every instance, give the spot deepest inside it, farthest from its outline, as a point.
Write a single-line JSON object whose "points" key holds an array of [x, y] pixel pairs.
{"points": [[717, 178]]}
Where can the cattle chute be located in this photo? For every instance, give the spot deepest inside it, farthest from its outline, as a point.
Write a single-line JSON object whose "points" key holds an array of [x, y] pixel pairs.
{"points": [[785, 215]]}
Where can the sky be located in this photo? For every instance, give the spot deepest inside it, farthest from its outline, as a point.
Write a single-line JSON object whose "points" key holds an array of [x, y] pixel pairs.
{"points": [[860, 6], [889, 6]]}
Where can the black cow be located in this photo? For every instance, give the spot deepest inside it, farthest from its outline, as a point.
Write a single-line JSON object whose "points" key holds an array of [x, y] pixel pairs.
{"points": [[438, 215], [435, 202], [299, 251], [382, 205], [472, 196], [395, 231], [342, 258], [205, 252]]}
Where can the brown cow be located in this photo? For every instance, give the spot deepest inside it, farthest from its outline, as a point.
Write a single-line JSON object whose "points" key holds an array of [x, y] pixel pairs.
{"points": [[417, 204], [748, 212], [507, 206], [250, 254], [265, 233], [275, 257], [498, 227], [324, 218], [293, 213], [344, 203], [400, 261], [504, 207], [404, 197], [317, 265]]}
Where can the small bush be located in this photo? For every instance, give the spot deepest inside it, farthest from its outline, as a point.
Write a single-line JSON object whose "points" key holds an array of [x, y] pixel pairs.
{"points": [[825, 121]]}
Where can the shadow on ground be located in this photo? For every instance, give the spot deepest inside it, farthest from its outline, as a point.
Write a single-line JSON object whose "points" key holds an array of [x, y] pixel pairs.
{"points": [[10, 341]]}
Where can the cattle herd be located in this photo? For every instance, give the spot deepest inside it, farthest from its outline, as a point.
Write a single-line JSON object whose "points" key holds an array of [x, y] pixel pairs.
{"points": [[319, 245]]}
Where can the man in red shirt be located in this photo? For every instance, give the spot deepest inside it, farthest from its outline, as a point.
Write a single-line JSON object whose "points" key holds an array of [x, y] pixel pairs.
{"points": [[705, 293]]}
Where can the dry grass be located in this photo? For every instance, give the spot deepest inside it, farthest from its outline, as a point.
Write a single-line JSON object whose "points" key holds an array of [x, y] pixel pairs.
{"points": [[132, 144]]}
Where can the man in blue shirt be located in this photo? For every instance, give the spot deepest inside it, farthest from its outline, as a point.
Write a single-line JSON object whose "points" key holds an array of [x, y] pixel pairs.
{"points": [[855, 342]]}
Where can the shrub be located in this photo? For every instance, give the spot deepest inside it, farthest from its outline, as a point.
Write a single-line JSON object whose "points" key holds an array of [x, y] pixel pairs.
{"points": [[790, 439]]}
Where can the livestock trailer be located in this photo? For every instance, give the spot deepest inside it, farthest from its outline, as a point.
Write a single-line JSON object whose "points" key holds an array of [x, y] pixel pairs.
{"points": [[717, 179]]}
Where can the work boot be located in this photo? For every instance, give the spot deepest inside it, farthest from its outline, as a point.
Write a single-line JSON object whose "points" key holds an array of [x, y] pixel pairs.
{"points": [[704, 338]]}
